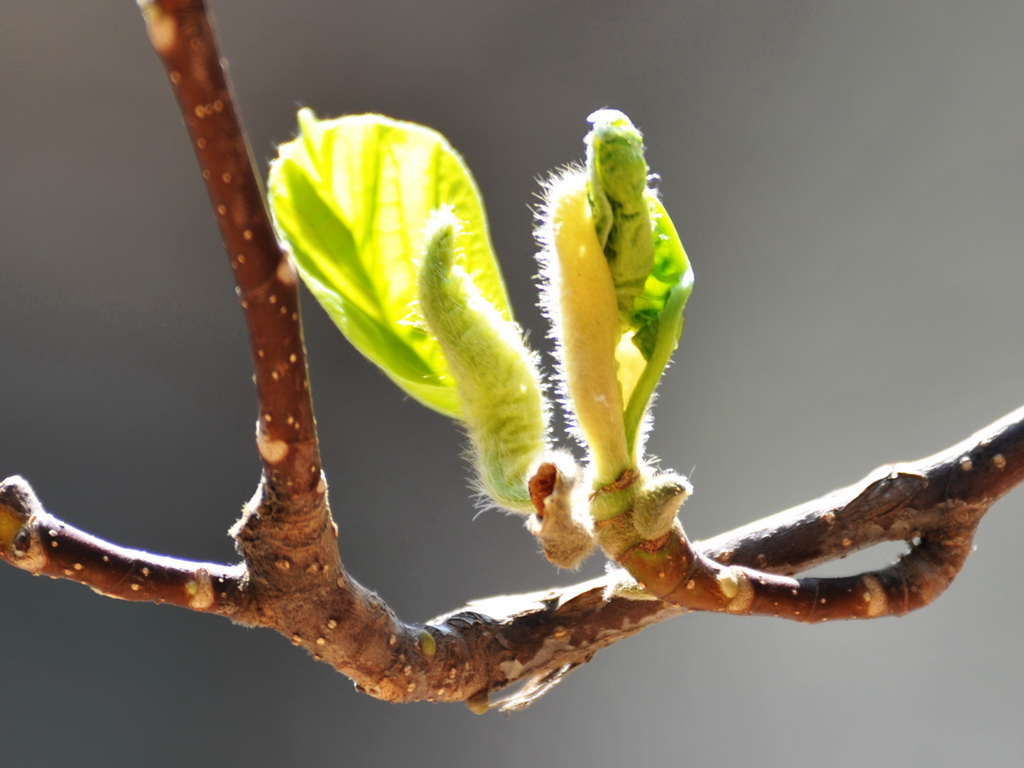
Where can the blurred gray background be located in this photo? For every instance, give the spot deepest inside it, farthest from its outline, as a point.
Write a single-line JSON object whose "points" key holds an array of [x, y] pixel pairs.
{"points": [[848, 179]]}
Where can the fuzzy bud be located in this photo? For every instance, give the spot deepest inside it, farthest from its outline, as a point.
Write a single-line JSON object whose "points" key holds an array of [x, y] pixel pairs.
{"points": [[495, 374]]}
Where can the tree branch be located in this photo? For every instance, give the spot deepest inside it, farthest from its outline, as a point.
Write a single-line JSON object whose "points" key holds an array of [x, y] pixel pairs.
{"points": [[292, 579], [538, 638], [182, 35], [37, 542], [287, 526]]}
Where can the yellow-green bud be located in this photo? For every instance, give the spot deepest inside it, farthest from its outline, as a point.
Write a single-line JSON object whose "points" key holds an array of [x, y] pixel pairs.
{"points": [[495, 374], [581, 304], [655, 508]]}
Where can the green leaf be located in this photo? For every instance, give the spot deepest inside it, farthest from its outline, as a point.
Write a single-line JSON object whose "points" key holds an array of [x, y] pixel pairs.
{"points": [[351, 198], [658, 313]]}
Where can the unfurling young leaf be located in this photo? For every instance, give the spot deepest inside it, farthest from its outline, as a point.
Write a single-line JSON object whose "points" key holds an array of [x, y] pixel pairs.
{"points": [[616, 183], [351, 197], [657, 315]]}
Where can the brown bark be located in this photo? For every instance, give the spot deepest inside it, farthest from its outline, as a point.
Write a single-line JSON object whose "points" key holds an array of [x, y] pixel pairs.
{"points": [[540, 637]]}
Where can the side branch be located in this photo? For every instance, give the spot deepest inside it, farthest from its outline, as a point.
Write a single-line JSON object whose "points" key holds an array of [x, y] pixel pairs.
{"points": [[934, 504], [894, 503], [37, 542]]}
